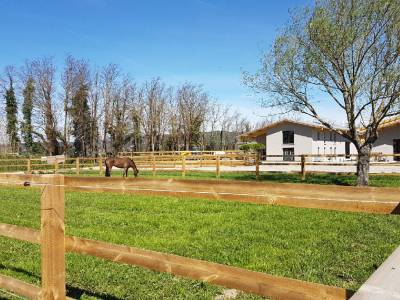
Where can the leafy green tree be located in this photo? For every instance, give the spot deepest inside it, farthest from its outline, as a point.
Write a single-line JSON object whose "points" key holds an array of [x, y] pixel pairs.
{"points": [[11, 111], [27, 107], [343, 51]]}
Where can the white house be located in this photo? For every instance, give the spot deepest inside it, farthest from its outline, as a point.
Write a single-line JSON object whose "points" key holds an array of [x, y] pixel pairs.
{"points": [[287, 138]]}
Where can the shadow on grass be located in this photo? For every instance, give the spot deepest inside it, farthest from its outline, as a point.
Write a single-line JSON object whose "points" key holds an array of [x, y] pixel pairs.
{"points": [[72, 291], [18, 270], [77, 293]]}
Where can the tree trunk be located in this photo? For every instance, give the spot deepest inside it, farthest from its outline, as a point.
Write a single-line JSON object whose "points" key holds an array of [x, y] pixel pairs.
{"points": [[363, 161]]}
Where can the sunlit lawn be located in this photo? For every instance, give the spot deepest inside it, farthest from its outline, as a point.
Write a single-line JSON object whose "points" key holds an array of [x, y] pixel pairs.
{"points": [[333, 248]]}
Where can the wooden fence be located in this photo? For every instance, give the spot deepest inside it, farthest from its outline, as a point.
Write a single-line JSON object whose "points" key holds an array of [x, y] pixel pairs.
{"points": [[193, 162], [54, 243], [154, 163]]}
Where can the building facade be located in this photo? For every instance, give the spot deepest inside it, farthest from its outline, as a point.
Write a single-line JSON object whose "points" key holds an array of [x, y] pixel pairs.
{"points": [[286, 139]]}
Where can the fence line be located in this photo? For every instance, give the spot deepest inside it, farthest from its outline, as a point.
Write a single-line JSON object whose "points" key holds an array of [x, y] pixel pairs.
{"points": [[190, 163]]}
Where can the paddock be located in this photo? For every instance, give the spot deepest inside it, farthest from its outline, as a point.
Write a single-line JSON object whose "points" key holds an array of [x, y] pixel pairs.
{"points": [[370, 200]]}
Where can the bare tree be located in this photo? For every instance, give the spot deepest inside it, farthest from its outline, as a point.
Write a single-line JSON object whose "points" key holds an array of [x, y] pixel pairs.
{"points": [[350, 51], [94, 104], [122, 100], [109, 81], [214, 115], [43, 74], [153, 102], [192, 103]]}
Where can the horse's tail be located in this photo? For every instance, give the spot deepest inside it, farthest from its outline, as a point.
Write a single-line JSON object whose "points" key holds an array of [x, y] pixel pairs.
{"points": [[108, 174]]}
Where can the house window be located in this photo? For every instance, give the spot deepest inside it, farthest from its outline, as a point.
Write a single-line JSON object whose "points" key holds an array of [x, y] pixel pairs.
{"points": [[288, 154], [288, 137], [318, 136]]}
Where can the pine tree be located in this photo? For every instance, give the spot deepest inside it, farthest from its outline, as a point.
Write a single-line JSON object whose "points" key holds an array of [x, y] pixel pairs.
{"points": [[27, 107], [11, 110]]}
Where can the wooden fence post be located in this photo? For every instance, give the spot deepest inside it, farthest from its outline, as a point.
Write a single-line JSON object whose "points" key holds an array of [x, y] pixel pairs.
{"points": [[303, 167], [78, 168], [218, 166], [100, 166], [29, 165], [52, 244], [153, 165], [257, 165], [56, 167], [183, 166]]}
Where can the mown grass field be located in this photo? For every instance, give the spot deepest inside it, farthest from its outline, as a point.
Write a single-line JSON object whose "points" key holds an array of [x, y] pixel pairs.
{"points": [[336, 179], [333, 248]]}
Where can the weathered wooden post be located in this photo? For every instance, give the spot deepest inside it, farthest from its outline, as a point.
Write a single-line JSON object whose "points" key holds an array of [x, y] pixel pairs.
{"points": [[303, 167], [153, 164], [183, 166], [218, 166], [29, 165], [257, 165], [55, 166], [100, 166], [52, 245], [78, 168]]}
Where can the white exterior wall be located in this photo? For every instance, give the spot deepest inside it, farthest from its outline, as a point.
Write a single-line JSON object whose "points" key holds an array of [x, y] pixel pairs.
{"points": [[303, 140], [306, 141], [384, 144], [330, 145]]}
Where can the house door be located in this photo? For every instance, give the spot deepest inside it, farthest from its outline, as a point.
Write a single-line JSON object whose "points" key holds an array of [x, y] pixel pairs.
{"points": [[288, 154], [396, 149], [347, 149]]}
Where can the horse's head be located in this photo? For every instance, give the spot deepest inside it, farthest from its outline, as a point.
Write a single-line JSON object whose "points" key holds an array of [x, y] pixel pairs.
{"points": [[135, 172]]}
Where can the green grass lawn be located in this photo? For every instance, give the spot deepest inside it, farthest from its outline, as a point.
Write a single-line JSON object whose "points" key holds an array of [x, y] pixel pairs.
{"points": [[333, 248], [336, 179]]}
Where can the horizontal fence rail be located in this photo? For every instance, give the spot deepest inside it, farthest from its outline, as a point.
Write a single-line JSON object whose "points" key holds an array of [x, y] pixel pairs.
{"points": [[340, 198]]}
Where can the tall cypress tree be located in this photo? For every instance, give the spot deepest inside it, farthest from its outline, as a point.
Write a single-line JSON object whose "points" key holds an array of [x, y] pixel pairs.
{"points": [[27, 108], [81, 120], [11, 110]]}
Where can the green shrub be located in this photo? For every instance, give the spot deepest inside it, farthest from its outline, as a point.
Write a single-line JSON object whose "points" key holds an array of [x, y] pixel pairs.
{"points": [[252, 147]]}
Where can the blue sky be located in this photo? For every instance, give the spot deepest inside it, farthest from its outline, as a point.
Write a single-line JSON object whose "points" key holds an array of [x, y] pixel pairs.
{"points": [[209, 42]]}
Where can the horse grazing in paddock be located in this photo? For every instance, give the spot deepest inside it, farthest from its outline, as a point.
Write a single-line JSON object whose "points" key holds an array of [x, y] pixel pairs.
{"points": [[120, 162]]}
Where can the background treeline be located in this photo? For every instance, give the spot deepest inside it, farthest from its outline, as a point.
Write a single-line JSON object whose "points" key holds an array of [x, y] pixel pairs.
{"points": [[83, 111]]}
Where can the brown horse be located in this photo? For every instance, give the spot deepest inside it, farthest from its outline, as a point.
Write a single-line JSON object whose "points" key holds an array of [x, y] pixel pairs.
{"points": [[120, 162]]}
